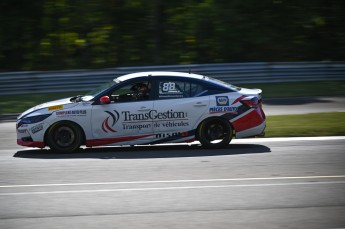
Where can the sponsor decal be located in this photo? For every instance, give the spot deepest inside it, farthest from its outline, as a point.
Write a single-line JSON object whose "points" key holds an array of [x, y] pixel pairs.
{"points": [[222, 101], [71, 113], [135, 126], [139, 121], [169, 90], [171, 96], [22, 131], [37, 128], [57, 107], [174, 136], [223, 110], [169, 135], [222, 106], [171, 124], [167, 124], [171, 118], [106, 126], [154, 115]]}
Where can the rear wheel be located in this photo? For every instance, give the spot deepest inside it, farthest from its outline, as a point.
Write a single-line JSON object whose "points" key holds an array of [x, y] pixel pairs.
{"points": [[215, 133], [64, 137]]}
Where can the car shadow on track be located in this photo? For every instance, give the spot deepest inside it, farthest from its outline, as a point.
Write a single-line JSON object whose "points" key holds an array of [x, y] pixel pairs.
{"points": [[142, 152]]}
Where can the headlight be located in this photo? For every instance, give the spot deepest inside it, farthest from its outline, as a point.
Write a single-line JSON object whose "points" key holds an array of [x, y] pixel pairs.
{"points": [[33, 119]]}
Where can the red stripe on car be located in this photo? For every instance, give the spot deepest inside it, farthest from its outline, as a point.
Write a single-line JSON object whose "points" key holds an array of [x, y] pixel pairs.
{"points": [[252, 119], [238, 99], [31, 144]]}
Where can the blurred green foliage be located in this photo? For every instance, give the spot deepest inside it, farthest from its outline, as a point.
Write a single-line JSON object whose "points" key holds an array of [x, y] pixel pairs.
{"points": [[69, 34]]}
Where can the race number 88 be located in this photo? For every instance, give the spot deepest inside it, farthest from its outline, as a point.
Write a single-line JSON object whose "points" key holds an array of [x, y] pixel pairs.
{"points": [[168, 87]]}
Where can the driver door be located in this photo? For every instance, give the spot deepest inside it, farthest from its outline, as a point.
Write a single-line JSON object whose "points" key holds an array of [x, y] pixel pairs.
{"points": [[126, 120]]}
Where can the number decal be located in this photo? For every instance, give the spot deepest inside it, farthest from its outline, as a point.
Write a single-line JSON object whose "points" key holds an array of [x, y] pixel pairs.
{"points": [[168, 87]]}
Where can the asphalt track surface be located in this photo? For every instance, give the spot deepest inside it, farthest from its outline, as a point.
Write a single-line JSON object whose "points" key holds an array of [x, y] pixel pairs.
{"points": [[253, 183]]}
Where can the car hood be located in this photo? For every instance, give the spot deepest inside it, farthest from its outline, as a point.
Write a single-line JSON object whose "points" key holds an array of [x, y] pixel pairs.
{"points": [[49, 107]]}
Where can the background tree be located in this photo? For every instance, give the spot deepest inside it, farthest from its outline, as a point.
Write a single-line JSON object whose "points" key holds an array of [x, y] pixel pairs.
{"points": [[70, 34]]}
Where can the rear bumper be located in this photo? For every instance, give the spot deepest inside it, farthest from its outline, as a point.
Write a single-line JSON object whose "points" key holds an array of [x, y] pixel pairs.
{"points": [[253, 132], [250, 124]]}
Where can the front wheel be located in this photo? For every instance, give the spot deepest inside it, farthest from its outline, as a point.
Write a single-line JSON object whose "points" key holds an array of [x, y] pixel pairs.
{"points": [[215, 133], [64, 137]]}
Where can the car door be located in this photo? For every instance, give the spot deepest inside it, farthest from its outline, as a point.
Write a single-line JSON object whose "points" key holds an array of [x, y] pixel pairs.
{"points": [[178, 109], [126, 120]]}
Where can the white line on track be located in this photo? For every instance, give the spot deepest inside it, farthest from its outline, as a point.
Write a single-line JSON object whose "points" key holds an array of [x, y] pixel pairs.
{"points": [[169, 188], [288, 139], [175, 181]]}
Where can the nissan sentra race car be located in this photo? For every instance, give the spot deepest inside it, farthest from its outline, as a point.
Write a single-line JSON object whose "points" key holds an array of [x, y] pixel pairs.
{"points": [[146, 108]]}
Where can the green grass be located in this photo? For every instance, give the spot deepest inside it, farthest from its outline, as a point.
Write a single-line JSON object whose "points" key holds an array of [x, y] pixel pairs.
{"points": [[319, 124]]}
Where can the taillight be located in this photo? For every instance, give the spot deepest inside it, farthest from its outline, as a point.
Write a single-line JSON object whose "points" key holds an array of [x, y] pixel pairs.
{"points": [[253, 102]]}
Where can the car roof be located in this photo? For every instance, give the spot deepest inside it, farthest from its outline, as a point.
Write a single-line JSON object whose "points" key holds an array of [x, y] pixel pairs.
{"points": [[158, 73]]}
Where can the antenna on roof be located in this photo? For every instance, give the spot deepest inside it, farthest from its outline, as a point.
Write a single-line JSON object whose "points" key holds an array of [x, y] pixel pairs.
{"points": [[190, 71]]}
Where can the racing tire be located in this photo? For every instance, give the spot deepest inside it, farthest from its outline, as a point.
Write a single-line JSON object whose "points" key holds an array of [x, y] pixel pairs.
{"points": [[215, 133], [64, 137]]}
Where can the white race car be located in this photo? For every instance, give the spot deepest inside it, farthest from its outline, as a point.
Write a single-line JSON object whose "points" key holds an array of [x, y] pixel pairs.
{"points": [[146, 108]]}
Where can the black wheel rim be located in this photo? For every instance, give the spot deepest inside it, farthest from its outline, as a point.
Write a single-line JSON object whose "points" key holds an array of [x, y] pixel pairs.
{"points": [[215, 131], [64, 136]]}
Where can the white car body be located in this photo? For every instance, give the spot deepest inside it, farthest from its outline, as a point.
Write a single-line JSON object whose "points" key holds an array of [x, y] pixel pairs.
{"points": [[170, 114]]}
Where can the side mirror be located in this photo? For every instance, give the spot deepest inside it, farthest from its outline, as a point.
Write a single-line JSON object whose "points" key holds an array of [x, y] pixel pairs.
{"points": [[104, 100]]}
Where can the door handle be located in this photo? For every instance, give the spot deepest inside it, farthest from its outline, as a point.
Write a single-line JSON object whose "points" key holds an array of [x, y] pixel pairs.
{"points": [[200, 104], [144, 109]]}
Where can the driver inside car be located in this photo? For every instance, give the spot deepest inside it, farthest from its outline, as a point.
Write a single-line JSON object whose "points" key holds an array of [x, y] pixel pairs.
{"points": [[141, 91]]}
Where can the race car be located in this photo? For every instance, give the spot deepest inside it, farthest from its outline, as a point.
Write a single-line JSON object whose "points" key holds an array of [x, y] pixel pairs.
{"points": [[146, 108]]}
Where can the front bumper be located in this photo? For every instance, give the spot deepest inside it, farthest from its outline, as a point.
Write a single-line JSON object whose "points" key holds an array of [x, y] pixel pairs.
{"points": [[31, 135], [30, 143]]}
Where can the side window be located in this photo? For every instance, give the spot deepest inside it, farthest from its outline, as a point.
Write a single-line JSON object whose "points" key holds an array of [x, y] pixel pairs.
{"points": [[196, 89], [174, 89], [136, 91]]}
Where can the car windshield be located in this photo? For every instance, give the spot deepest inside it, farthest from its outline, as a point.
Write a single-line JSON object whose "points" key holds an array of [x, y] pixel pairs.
{"points": [[100, 89]]}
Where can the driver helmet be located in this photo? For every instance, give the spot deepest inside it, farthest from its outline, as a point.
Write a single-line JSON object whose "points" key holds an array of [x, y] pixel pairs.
{"points": [[140, 87]]}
